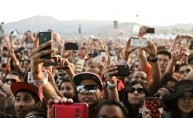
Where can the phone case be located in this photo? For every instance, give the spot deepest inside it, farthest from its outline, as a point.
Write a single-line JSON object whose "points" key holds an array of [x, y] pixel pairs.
{"points": [[151, 103], [123, 70], [43, 38], [80, 65], [75, 110], [113, 59]]}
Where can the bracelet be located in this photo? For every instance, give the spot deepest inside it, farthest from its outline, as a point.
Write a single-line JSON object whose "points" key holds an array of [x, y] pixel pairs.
{"points": [[110, 85], [152, 60], [42, 82]]}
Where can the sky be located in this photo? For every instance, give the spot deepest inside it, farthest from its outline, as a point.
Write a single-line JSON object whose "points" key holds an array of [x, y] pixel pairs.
{"points": [[145, 12]]}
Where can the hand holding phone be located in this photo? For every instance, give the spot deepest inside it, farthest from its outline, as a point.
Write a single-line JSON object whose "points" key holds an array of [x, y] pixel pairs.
{"points": [[43, 38]]}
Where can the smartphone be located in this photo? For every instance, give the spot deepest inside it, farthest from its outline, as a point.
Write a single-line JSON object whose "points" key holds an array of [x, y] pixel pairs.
{"points": [[151, 30], [30, 79], [139, 42], [97, 59], [191, 45], [3, 60], [95, 39], [80, 65], [103, 54], [184, 36], [71, 46], [151, 103], [55, 63], [43, 38], [75, 110], [113, 59], [123, 70]]}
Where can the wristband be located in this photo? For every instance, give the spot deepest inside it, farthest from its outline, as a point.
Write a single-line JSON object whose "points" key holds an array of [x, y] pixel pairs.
{"points": [[110, 85], [152, 60], [42, 82]]}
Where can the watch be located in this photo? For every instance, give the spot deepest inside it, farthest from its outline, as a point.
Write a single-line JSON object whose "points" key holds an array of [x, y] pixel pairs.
{"points": [[152, 60], [110, 85]]}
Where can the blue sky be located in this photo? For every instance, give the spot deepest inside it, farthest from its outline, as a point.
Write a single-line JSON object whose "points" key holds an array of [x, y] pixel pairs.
{"points": [[148, 12]]}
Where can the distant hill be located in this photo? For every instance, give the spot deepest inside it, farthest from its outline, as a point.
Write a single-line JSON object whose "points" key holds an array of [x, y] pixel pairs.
{"points": [[42, 23]]}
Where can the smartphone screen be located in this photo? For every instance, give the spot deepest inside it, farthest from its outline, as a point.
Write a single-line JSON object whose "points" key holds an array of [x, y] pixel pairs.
{"points": [[139, 42], [151, 103], [151, 30], [43, 38], [71, 46]]}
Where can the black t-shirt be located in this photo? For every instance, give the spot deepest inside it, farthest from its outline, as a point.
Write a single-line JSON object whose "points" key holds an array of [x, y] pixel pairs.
{"points": [[4, 115]]}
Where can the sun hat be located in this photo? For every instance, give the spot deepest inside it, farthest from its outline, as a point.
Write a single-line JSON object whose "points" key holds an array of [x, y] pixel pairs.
{"points": [[180, 88], [87, 75]]}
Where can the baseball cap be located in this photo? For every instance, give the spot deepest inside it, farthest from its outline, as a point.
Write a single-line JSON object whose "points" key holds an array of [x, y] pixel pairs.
{"points": [[17, 86], [87, 75]]}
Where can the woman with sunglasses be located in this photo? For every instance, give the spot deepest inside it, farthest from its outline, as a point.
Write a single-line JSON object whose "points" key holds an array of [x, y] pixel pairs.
{"points": [[134, 97], [160, 94]]}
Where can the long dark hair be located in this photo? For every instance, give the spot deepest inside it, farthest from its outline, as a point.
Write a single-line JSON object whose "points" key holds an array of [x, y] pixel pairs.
{"points": [[131, 112], [175, 111]]}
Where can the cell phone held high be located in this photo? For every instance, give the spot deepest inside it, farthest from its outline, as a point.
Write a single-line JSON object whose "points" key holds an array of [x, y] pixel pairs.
{"points": [[151, 103], [151, 30], [75, 110], [43, 38], [139, 43], [71, 46], [123, 70]]}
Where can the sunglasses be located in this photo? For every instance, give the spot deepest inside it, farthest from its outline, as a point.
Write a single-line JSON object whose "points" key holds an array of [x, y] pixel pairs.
{"points": [[103, 116], [33, 116], [187, 71], [139, 90], [90, 88], [158, 95], [11, 80]]}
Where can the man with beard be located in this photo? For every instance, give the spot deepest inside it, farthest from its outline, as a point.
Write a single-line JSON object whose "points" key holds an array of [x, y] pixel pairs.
{"points": [[26, 98], [90, 90]]}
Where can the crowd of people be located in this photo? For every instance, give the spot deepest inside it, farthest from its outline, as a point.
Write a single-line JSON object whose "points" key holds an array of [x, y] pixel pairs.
{"points": [[115, 78]]}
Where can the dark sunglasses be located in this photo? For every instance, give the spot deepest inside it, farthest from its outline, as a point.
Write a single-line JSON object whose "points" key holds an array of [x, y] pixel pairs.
{"points": [[158, 95], [102, 116], [11, 80], [90, 88], [33, 116], [187, 71], [139, 90]]}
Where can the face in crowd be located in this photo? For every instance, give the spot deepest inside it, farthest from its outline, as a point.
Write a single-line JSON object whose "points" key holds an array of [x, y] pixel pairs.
{"points": [[140, 76], [185, 102], [161, 93], [67, 90], [24, 102], [163, 61], [89, 92], [136, 95], [110, 108], [184, 70], [11, 78]]}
